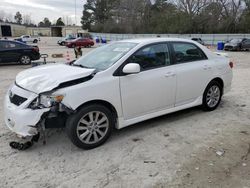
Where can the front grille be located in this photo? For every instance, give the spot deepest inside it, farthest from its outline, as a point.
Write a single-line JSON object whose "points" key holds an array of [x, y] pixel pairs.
{"points": [[17, 100]]}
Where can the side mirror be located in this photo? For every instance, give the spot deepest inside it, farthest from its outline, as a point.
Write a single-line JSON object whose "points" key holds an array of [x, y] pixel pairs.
{"points": [[131, 68]]}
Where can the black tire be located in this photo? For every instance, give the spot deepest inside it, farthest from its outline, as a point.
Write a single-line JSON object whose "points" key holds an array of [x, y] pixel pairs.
{"points": [[25, 60], [35, 41], [205, 101], [73, 123], [62, 43], [73, 46]]}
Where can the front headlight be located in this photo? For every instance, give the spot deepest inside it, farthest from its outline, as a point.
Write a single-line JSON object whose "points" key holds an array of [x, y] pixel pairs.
{"points": [[46, 101]]}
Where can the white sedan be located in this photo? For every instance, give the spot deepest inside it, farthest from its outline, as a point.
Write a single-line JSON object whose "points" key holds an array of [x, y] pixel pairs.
{"points": [[115, 86]]}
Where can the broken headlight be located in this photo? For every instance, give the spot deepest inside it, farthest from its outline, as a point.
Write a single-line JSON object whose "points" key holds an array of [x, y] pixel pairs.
{"points": [[46, 101]]}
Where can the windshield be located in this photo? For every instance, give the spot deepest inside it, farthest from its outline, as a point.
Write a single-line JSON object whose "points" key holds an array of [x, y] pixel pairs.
{"points": [[104, 57], [235, 40]]}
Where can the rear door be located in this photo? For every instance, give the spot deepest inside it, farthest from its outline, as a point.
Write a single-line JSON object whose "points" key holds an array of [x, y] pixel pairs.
{"points": [[193, 70]]}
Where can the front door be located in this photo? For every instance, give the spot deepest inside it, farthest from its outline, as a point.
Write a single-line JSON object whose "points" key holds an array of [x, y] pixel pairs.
{"points": [[152, 89]]}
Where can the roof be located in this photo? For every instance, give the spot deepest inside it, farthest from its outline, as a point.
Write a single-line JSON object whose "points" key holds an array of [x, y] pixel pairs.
{"points": [[152, 40]]}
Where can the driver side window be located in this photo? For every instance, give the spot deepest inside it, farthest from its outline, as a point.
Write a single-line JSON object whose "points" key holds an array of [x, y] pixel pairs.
{"points": [[153, 56]]}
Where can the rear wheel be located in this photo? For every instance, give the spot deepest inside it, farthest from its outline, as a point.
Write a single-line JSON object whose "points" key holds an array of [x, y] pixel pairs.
{"points": [[90, 127], [25, 60], [63, 43], [35, 41], [212, 96]]}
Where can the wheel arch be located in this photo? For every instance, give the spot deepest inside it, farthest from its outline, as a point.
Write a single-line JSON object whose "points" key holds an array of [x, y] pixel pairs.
{"points": [[219, 80], [100, 102]]}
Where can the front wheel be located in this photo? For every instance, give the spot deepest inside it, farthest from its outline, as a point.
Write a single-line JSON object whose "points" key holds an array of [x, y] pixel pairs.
{"points": [[212, 96], [25, 60], [90, 127]]}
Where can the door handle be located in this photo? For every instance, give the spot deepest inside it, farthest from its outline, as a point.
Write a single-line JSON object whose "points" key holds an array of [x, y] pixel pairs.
{"points": [[170, 74]]}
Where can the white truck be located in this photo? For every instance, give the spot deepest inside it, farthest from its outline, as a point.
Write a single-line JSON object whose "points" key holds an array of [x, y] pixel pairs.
{"points": [[28, 38]]}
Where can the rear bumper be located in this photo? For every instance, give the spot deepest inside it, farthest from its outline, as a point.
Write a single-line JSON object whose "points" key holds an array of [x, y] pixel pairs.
{"points": [[35, 56], [227, 79]]}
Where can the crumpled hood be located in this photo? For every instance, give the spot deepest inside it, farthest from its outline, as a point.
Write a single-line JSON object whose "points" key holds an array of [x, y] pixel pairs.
{"points": [[47, 77]]}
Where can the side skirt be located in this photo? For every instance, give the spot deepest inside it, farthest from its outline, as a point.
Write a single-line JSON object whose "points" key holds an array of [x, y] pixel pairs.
{"points": [[124, 123]]}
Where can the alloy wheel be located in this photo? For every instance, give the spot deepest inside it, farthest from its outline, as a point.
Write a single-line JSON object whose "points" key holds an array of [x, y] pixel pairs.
{"points": [[92, 127], [25, 60], [213, 96]]}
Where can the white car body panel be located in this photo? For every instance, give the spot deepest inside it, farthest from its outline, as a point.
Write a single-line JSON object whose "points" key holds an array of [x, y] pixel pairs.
{"points": [[28, 38], [198, 72], [20, 119], [135, 97], [150, 91], [45, 78]]}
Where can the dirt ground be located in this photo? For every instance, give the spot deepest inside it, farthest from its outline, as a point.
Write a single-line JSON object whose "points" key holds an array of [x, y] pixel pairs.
{"points": [[190, 148]]}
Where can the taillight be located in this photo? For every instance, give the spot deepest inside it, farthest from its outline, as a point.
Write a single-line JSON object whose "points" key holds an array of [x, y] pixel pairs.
{"points": [[231, 64], [36, 49]]}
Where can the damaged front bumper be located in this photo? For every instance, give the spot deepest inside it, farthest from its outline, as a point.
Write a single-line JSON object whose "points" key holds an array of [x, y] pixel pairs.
{"points": [[18, 117]]}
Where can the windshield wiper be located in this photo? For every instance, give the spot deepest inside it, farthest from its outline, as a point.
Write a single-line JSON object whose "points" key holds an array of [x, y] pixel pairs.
{"points": [[82, 66]]}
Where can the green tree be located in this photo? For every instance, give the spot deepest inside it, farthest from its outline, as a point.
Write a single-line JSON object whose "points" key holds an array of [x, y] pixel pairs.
{"points": [[59, 22], [45, 23], [18, 18]]}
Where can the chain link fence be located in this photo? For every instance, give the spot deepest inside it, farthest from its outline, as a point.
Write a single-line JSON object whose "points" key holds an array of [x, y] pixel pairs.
{"points": [[209, 39]]}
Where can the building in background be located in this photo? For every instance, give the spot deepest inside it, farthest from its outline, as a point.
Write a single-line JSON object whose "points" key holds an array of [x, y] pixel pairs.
{"points": [[15, 30]]}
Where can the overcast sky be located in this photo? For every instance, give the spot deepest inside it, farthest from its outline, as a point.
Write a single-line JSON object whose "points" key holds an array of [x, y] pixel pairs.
{"points": [[38, 9]]}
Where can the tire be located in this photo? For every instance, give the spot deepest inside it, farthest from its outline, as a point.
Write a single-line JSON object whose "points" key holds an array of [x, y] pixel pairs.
{"points": [[25, 60], [73, 46], [62, 43], [212, 96], [35, 41], [94, 132]]}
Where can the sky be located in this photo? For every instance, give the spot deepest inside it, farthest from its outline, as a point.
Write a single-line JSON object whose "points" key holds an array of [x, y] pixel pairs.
{"points": [[38, 9]]}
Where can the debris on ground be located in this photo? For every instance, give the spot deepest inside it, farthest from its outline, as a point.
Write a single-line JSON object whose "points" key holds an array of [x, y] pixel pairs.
{"points": [[136, 139], [154, 174], [220, 152], [149, 161], [244, 164], [166, 135], [244, 132]]}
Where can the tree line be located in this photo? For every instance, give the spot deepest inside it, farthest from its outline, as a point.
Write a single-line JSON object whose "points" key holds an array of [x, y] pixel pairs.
{"points": [[25, 19], [167, 16]]}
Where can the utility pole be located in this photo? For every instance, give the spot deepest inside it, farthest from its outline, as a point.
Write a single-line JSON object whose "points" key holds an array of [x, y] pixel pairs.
{"points": [[75, 14]]}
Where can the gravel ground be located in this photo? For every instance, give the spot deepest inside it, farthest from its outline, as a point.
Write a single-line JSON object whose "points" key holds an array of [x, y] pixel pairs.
{"points": [[176, 150]]}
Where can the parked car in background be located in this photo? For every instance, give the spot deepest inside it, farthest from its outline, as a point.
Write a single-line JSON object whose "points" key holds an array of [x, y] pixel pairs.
{"points": [[63, 41], [80, 42], [237, 44], [85, 35], [115, 86], [14, 51], [28, 38], [199, 40]]}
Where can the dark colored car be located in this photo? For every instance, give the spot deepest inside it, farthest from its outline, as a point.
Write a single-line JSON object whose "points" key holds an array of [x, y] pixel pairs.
{"points": [[13, 51], [237, 44], [81, 42], [63, 41], [199, 40]]}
